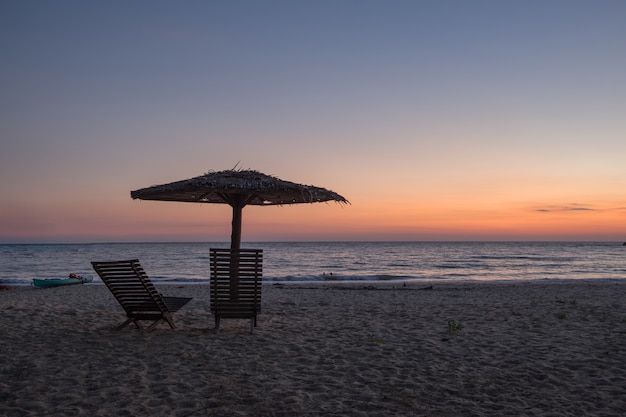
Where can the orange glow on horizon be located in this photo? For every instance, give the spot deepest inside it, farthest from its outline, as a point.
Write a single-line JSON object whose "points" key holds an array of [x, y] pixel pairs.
{"points": [[114, 218]]}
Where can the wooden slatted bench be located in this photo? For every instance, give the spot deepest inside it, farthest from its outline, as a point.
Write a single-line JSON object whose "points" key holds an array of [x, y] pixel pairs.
{"points": [[236, 282]]}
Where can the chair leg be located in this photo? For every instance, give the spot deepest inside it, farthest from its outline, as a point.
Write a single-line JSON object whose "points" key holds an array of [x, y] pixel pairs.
{"points": [[169, 320], [126, 323], [153, 325]]}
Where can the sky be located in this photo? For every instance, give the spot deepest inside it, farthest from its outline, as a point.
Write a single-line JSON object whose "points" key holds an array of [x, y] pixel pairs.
{"points": [[437, 120]]}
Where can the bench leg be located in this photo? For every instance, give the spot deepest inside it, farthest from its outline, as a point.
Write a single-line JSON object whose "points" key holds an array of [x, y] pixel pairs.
{"points": [[217, 323]]}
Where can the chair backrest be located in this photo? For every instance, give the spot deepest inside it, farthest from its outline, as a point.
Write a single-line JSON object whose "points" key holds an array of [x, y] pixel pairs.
{"points": [[236, 277], [130, 285]]}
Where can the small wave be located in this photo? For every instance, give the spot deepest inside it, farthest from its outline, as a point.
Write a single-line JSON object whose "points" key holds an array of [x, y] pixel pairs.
{"points": [[338, 278], [447, 266]]}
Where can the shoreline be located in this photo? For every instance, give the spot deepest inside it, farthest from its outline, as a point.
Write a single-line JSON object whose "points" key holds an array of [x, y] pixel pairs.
{"points": [[364, 282], [455, 349]]}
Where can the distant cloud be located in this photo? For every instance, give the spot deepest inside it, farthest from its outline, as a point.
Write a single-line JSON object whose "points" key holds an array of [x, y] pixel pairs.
{"points": [[572, 207]]}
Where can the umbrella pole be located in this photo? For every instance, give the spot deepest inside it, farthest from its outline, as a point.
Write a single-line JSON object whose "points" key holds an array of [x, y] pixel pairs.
{"points": [[235, 237], [235, 245]]}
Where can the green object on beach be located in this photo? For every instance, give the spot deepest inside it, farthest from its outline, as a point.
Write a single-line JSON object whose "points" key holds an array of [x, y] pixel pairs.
{"points": [[454, 326], [56, 282]]}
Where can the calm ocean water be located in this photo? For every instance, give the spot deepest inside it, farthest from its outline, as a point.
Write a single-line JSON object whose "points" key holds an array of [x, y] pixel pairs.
{"points": [[333, 261]]}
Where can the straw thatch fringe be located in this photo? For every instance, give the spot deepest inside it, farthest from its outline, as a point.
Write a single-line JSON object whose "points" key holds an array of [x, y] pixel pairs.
{"points": [[249, 187]]}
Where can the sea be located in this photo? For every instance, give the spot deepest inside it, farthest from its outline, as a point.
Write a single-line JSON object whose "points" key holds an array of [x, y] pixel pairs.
{"points": [[308, 262]]}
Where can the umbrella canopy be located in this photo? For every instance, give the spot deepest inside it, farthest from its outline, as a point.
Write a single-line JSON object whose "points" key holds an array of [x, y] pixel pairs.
{"points": [[237, 188]]}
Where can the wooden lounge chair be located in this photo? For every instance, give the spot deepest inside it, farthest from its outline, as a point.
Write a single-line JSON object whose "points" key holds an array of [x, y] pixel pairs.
{"points": [[133, 289], [236, 278]]}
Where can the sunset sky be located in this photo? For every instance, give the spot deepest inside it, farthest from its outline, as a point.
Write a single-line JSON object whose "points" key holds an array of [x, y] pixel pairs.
{"points": [[438, 120]]}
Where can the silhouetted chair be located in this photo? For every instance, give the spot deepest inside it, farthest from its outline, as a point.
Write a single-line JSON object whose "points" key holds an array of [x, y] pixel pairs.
{"points": [[236, 281], [136, 294]]}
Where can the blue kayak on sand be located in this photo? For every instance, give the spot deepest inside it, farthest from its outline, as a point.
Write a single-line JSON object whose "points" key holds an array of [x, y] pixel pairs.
{"points": [[56, 282]]}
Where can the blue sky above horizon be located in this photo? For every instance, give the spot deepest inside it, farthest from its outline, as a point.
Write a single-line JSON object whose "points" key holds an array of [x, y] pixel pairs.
{"points": [[437, 120]]}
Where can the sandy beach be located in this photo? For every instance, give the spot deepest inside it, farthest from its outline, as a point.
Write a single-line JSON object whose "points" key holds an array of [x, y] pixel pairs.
{"points": [[471, 349]]}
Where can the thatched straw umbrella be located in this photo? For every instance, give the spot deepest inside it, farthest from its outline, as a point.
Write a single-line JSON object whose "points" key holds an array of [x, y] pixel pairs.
{"points": [[237, 188]]}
